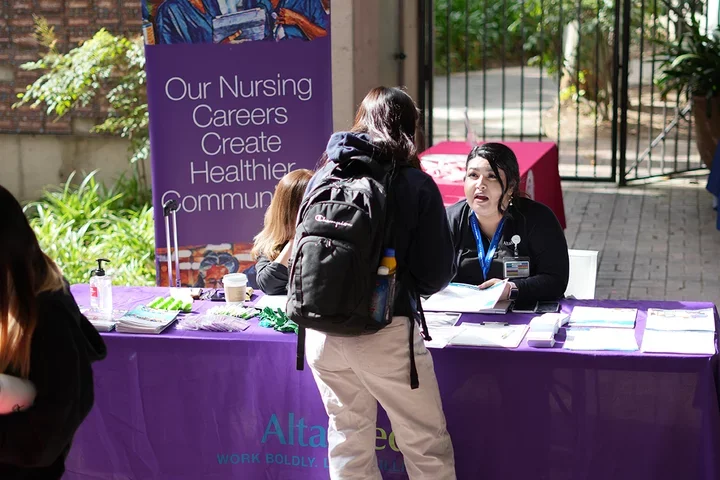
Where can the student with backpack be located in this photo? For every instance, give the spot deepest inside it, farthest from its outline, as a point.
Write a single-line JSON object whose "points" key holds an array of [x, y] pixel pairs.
{"points": [[369, 198]]}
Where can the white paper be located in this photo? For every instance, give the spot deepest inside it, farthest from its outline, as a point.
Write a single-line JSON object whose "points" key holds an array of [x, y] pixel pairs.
{"points": [[441, 336], [100, 321], [103, 326], [506, 336], [691, 343], [596, 339], [464, 298], [603, 317], [441, 319], [272, 301], [675, 320], [16, 394]]}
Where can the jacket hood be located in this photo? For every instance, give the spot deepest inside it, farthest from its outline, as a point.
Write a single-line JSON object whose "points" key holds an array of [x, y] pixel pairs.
{"points": [[345, 146]]}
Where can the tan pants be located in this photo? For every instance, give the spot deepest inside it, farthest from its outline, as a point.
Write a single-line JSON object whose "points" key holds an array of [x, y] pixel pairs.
{"points": [[352, 375]]}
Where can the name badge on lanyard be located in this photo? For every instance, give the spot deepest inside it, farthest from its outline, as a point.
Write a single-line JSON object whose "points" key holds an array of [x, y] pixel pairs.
{"points": [[484, 258], [516, 266]]}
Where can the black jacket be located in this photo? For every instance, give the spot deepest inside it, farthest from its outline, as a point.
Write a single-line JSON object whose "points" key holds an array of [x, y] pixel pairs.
{"points": [[34, 443], [271, 277], [423, 242], [541, 239]]}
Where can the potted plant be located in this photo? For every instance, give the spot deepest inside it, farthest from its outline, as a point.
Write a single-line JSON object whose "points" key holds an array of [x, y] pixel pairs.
{"points": [[691, 65]]}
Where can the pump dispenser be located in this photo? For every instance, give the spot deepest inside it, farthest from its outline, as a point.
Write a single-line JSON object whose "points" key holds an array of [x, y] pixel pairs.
{"points": [[101, 290]]}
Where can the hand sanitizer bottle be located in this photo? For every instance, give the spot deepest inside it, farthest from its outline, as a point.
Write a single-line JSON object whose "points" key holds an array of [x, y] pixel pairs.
{"points": [[101, 291]]}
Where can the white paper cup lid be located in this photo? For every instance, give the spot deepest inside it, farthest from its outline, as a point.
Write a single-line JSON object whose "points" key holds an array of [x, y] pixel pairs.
{"points": [[235, 280]]}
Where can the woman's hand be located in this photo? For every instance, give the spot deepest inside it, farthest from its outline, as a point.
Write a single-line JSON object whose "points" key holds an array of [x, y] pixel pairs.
{"points": [[285, 254], [506, 292]]}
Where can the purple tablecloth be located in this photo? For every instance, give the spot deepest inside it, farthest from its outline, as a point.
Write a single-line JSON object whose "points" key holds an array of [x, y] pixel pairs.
{"points": [[198, 405]]}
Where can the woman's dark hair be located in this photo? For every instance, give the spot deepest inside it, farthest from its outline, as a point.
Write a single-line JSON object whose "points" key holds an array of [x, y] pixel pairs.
{"points": [[25, 272], [500, 157], [390, 117]]}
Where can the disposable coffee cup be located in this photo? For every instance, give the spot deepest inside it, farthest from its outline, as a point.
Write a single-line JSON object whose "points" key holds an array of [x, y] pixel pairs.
{"points": [[235, 285]]}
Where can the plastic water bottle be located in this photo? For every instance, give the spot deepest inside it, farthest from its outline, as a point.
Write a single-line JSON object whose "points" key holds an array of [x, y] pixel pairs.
{"points": [[384, 294], [389, 260]]}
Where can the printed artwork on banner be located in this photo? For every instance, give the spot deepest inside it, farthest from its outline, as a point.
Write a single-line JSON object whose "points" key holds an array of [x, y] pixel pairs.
{"points": [[233, 21], [205, 265], [239, 95]]}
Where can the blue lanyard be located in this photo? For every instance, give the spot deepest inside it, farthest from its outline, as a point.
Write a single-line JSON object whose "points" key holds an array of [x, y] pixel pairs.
{"points": [[485, 259]]}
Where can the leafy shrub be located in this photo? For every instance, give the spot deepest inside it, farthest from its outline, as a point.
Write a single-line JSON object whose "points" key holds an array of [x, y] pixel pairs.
{"points": [[76, 224]]}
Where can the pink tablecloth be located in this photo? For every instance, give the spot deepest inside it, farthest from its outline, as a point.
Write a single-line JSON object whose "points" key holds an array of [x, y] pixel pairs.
{"points": [[538, 162]]}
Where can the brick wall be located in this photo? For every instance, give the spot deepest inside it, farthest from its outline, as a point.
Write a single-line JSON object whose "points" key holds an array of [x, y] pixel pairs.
{"points": [[74, 21]]}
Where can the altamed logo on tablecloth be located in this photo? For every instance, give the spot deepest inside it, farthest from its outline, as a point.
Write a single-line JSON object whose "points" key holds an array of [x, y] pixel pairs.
{"points": [[289, 433]]}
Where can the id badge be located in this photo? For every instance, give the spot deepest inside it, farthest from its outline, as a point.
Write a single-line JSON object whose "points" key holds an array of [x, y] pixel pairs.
{"points": [[516, 267]]}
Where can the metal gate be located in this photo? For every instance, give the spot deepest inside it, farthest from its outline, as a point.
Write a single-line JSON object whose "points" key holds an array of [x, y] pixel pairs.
{"points": [[505, 70]]}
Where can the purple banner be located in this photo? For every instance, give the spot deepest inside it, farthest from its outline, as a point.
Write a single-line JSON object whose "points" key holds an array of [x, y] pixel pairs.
{"points": [[239, 94]]}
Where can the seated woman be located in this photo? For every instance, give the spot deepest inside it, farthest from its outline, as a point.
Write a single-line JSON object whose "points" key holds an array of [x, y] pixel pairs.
{"points": [[517, 238], [273, 244]]}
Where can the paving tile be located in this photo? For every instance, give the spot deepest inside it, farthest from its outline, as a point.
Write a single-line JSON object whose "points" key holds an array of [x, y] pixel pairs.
{"points": [[656, 241]]}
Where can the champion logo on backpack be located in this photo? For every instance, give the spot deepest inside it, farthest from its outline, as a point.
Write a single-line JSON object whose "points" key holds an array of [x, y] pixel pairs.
{"points": [[321, 218]]}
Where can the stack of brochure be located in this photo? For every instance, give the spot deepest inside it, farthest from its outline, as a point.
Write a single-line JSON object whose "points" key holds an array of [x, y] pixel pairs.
{"points": [[600, 339], [465, 298], [490, 335], [603, 317], [100, 320], [145, 320], [680, 331]]}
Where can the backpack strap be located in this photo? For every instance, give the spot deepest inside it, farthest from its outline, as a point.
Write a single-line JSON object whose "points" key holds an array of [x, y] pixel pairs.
{"points": [[414, 380], [300, 361], [425, 332], [405, 280]]}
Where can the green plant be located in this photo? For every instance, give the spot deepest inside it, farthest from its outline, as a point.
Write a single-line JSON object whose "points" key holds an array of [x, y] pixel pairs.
{"points": [[692, 63], [493, 27], [107, 65], [76, 224], [532, 31]]}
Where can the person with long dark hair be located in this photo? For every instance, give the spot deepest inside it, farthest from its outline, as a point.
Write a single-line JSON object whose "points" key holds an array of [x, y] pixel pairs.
{"points": [[354, 373], [46, 340], [500, 234]]}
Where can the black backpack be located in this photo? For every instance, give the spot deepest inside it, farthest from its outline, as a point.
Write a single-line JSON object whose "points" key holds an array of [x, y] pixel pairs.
{"points": [[344, 224]]}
